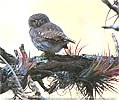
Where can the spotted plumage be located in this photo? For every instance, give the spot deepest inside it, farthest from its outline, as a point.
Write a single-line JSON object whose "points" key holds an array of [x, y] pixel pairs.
{"points": [[45, 35]]}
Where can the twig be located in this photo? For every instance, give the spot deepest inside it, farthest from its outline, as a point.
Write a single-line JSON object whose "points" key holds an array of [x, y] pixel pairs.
{"points": [[116, 46], [33, 87], [115, 27]]}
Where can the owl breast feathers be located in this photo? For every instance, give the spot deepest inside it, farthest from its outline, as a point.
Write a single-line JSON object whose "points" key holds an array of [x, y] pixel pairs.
{"points": [[45, 35]]}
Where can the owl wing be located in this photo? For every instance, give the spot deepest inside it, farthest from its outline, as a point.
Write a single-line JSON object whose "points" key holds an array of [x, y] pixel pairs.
{"points": [[54, 35]]}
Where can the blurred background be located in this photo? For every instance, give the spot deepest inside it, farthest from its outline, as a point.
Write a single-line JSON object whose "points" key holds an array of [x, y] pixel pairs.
{"points": [[79, 19]]}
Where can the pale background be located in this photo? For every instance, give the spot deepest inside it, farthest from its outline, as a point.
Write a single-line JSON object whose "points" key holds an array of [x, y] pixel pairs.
{"points": [[79, 19]]}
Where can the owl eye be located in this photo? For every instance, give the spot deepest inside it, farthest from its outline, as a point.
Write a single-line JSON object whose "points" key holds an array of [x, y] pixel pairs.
{"points": [[42, 21], [34, 21]]}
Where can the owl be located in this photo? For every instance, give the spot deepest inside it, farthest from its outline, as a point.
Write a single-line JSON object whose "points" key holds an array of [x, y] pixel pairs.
{"points": [[47, 36]]}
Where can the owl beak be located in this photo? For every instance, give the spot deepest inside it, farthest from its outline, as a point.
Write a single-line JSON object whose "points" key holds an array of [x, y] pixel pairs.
{"points": [[38, 24]]}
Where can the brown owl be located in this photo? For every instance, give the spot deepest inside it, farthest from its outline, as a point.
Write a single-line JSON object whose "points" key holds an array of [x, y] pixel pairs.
{"points": [[47, 36]]}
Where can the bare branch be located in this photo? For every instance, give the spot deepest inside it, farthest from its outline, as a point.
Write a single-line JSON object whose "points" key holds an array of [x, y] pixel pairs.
{"points": [[115, 27], [111, 6], [8, 57]]}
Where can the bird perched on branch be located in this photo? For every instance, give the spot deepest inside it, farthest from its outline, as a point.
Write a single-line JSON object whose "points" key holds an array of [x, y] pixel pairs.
{"points": [[47, 36]]}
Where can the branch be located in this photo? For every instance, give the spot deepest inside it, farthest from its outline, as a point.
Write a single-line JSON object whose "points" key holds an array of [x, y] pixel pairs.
{"points": [[64, 63], [115, 27], [47, 66], [8, 57], [66, 72], [111, 6]]}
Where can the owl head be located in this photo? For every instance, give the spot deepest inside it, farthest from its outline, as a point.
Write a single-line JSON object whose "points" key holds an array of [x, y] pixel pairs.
{"points": [[37, 20]]}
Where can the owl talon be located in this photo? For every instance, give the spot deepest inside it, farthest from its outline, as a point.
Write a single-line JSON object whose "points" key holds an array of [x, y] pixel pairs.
{"points": [[48, 54]]}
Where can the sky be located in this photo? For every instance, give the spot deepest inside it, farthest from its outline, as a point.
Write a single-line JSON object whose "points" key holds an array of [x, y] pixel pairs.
{"points": [[79, 19]]}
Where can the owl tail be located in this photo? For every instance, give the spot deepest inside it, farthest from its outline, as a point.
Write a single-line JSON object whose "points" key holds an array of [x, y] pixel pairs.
{"points": [[70, 40]]}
